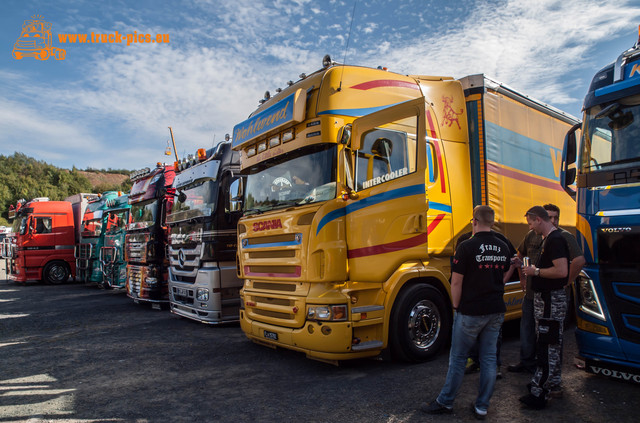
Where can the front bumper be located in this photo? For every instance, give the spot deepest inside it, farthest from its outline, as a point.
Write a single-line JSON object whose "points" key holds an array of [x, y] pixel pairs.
{"points": [[613, 369], [331, 344]]}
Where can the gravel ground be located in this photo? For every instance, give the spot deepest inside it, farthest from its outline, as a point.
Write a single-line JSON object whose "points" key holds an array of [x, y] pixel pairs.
{"points": [[74, 353]]}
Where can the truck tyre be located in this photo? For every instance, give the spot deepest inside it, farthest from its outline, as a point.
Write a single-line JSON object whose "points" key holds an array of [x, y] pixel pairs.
{"points": [[56, 272], [420, 323]]}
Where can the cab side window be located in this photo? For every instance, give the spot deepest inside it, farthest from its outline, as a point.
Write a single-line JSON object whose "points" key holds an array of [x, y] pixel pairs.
{"points": [[43, 225], [385, 155]]}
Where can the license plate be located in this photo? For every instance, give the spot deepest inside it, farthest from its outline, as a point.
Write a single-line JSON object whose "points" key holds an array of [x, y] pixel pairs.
{"points": [[270, 335], [181, 291]]}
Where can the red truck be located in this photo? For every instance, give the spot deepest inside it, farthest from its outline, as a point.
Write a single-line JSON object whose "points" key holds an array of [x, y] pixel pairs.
{"points": [[151, 198], [46, 236]]}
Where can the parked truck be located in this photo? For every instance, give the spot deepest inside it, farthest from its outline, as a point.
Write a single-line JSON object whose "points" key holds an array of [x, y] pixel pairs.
{"points": [[45, 240], [359, 182], [607, 193], [151, 198], [112, 261], [88, 269], [203, 284]]}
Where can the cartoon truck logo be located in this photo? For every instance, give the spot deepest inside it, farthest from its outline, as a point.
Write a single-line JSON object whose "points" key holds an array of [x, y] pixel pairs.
{"points": [[36, 41]]}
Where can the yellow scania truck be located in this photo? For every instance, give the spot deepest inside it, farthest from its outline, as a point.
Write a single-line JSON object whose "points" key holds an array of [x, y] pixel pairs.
{"points": [[359, 182]]}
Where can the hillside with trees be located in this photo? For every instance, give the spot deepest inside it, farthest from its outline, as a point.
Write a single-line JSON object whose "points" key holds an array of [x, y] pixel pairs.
{"points": [[25, 177]]}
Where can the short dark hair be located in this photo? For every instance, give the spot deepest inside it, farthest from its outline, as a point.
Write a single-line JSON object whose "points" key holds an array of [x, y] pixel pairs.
{"points": [[552, 208], [484, 214], [538, 211]]}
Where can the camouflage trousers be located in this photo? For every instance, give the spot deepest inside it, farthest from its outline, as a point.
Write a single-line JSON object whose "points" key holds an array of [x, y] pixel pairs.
{"points": [[549, 309]]}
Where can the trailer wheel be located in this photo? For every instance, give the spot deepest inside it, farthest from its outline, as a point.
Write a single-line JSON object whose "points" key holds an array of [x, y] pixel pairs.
{"points": [[420, 323], [56, 272]]}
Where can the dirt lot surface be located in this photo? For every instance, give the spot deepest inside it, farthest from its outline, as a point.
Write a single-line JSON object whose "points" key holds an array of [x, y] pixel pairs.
{"points": [[74, 353]]}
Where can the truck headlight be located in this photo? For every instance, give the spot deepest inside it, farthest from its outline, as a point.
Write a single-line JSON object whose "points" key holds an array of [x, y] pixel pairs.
{"points": [[588, 301], [337, 312], [202, 294]]}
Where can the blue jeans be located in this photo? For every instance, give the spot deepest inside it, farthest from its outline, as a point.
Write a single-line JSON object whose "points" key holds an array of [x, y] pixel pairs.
{"points": [[528, 335], [467, 330]]}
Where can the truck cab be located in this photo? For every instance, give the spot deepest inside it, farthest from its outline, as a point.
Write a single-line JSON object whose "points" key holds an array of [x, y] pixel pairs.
{"points": [[92, 239], [44, 242], [113, 265], [151, 198], [203, 284], [605, 167]]}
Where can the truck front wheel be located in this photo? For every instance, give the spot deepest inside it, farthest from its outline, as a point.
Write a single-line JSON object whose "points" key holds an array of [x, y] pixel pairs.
{"points": [[420, 323], [56, 272]]}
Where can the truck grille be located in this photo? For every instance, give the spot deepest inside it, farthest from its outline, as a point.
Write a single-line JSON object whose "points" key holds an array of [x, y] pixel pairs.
{"points": [[134, 274], [278, 303], [185, 263], [137, 251], [84, 250]]}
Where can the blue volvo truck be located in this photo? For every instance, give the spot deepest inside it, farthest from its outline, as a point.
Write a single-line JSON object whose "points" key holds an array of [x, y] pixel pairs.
{"points": [[602, 157]]}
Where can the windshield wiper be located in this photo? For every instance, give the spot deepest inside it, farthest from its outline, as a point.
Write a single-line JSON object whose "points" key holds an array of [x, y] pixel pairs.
{"points": [[287, 203], [252, 211], [621, 161]]}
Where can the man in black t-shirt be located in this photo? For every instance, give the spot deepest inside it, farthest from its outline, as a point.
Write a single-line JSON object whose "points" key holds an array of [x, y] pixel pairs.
{"points": [[549, 276], [476, 293], [473, 363]]}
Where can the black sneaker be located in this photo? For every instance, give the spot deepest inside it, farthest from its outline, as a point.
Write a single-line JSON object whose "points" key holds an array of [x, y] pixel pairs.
{"points": [[498, 373], [533, 402], [478, 414], [435, 408]]}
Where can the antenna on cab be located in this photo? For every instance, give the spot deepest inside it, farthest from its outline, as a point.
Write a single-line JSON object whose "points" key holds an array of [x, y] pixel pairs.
{"points": [[344, 62]]}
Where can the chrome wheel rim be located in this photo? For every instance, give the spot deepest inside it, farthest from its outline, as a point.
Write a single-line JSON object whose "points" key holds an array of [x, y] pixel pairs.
{"points": [[424, 324]]}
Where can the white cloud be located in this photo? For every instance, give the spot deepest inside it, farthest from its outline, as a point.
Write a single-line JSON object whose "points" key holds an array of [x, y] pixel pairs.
{"points": [[222, 59], [529, 45], [46, 137]]}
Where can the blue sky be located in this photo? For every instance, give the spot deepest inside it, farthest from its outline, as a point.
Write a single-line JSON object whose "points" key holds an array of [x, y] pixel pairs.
{"points": [[109, 105]]}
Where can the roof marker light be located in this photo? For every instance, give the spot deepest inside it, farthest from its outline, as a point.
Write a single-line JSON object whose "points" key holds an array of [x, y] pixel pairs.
{"points": [[274, 141], [287, 136]]}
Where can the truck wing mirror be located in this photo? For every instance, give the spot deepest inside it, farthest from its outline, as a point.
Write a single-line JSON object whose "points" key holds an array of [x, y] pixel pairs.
{"points": [[182, 197], [236, 194], [344, 135], [569, 154]]}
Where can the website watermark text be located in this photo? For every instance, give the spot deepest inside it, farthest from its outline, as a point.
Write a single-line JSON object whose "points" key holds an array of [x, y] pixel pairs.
{"points": [[115, 38]]}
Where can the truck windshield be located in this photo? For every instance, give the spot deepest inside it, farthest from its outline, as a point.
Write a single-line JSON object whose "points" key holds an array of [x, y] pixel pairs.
{"points": [[143, 215], [92, 228], [117, 220], [304, 176], [16, 226], [24, 224], [201, 201], [612, 136]]}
